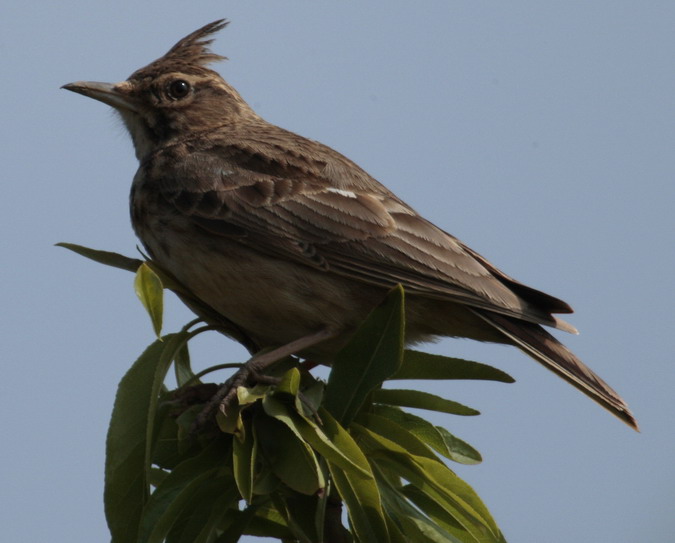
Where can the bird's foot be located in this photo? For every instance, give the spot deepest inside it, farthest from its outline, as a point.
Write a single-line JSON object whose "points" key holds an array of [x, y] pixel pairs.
{"points": [[225, 395], [253, 372]]}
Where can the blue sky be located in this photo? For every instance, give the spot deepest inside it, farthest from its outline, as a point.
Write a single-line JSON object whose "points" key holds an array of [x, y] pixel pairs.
{"points": [[539, 133]]}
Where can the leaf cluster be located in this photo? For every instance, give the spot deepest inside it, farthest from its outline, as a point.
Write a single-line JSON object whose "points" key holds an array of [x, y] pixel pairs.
{"points": [[284, 460]]}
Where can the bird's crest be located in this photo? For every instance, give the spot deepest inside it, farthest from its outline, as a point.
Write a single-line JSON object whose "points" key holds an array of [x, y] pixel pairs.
{"points": [[190, 54], [193, 49]]}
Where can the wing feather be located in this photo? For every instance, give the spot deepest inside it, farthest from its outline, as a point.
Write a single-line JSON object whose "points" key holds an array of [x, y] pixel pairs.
{"points": [[364, 233]]}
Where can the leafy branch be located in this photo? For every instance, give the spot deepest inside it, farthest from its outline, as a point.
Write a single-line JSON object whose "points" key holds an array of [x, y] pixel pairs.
{"points": [[284, 460]]}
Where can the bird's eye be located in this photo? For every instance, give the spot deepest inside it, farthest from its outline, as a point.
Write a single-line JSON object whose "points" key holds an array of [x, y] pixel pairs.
{"points": [[178, 89]]}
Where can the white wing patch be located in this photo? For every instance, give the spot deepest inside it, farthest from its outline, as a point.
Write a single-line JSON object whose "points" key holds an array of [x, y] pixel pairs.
{"points": [[346, 193]]}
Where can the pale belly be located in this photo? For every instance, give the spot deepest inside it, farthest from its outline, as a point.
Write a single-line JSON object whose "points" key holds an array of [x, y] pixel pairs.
{"points": [[272, 300]]}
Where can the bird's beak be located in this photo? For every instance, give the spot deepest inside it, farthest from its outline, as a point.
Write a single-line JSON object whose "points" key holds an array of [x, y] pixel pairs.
{"points": [[115, 95]]}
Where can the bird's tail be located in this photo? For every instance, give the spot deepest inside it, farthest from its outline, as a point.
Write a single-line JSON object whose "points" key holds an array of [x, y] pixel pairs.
{"points": [[543, 347]]}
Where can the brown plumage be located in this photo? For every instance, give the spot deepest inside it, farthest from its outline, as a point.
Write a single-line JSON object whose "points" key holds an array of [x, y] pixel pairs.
{"points": [[292, 242]]}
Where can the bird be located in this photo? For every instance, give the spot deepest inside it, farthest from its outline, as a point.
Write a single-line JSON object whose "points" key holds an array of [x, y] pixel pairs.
{"points": [[292, 243]]}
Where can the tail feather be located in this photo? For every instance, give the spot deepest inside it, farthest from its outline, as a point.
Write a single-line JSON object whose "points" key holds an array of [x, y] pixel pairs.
{"points": [[543, 347]]}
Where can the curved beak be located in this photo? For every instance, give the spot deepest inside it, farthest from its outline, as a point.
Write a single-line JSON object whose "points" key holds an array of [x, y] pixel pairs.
{"points": [[109, 93]]}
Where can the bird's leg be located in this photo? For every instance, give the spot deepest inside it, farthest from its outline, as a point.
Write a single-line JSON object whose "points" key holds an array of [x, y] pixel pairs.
{"points": [[255, 367]]}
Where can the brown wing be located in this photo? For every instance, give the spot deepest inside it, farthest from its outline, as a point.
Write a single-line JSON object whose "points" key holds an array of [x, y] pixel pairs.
{"points": [[365, 233]]}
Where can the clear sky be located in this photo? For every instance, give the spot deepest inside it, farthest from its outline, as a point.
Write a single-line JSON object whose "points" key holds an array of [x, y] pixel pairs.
{"points": [[542, 134]]}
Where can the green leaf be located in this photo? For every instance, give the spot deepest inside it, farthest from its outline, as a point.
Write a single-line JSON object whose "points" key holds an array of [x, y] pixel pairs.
{"points": [[300, 514], [455, 496], [104, 257], [268, 522], [345, 461], [181, 488], [247, 396], [172, 344], [290, 383], [156, 528], [150, 292], [243, 457], [238, 525], [419, 365], [354, 481], [438, 514], [395, 533], [434, 479], [458, 449], [183, 369], [343, 441], [428, 530], [128, 445], [335, 444], [265, 482], [436, 437], [364, 508], [200, 520], [396, 433], [372, 355], [290, 458], [312, 396], [168, 450], [421, 400], [409, 520]]}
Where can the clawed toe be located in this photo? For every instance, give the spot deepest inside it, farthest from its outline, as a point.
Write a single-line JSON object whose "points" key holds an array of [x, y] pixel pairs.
{"points": [[253, 372]]}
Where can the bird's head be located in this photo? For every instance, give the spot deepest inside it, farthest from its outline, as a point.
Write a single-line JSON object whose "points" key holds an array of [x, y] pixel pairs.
{"points": [[174, 97]]}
